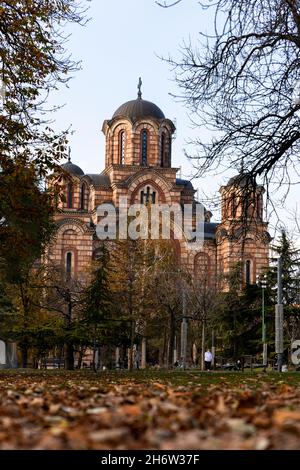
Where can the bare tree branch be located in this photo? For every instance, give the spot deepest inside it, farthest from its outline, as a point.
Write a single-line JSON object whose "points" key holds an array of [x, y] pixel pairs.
{"points": [[168, 5], [239, 83]]}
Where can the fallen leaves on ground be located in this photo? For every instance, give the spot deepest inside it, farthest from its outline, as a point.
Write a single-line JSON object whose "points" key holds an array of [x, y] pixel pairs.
{"points": [[48, 410]]}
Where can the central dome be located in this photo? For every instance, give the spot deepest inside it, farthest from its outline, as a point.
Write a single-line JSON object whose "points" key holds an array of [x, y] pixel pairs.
{"points": [[139, 108]]}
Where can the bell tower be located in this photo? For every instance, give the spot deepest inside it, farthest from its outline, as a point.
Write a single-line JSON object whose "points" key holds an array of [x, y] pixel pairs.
{"points": [[242, 235]]}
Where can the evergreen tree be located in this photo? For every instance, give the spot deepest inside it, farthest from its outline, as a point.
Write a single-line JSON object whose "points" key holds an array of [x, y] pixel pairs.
{"points": [[290, 257], [238, 319], [97, 303]]}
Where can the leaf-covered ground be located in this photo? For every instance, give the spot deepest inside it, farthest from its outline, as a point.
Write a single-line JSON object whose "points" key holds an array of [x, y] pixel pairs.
{"points": [[149, 410]]}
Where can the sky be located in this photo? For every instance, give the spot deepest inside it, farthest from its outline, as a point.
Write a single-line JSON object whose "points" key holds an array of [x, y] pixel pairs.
{"points": [[123, 41]]}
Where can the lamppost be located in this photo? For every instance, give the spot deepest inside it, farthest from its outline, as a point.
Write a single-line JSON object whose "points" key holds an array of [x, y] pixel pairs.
{"points": [[184, 327], [262, 282], [279, 318]]}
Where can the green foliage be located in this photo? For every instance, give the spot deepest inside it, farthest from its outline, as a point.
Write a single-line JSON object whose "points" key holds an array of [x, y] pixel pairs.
{"points": [[290, 257], [99, 324], [238, 320], [26, 225], [98, 296]]}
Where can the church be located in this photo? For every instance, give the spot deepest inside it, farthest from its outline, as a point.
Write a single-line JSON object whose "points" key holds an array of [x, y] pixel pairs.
{"points": [[138, 167]]}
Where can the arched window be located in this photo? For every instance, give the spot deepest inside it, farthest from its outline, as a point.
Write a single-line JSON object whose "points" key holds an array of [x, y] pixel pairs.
{"points": [[69, 264], [170, 151], [82, 197], [233, 205], [259, 204], [248, 272], [162, 149], [122, 138], [144, 146], [70, 196], [148, 196]]}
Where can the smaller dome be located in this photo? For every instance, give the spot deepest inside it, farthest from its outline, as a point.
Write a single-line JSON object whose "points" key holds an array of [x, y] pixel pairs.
{"points": [[72, 168], [139, 108]]}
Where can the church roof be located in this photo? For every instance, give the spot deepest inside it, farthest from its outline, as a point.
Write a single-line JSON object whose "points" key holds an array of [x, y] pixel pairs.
{"points": [[72, 168], [139, 108], [210, 230], [99, 180], [186, 183]]}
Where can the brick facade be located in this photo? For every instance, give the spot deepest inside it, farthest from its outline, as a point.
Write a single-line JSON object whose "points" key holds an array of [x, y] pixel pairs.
{"points": [[138, 154]]}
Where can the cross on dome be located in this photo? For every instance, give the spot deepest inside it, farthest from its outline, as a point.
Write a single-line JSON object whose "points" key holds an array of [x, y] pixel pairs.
{"points": [[140, 88]]}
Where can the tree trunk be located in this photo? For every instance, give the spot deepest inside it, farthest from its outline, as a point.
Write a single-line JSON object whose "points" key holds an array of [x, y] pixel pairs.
{"points": [[80, 357], [160, 355], [60, 354], [131, 345], [69, 356], [144, 354], [99, 358], [35, 362], [234, 337], [172, 339], [94, 356], [24, 351], [69, 348], [202, 345], [165, 350]]}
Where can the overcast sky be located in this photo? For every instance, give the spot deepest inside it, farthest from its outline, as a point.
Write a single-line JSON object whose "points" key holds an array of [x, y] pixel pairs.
{"points": [[121, 42]]}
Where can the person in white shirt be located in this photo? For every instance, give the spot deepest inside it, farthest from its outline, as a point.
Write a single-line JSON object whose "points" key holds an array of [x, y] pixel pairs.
{"points": [[208, 359]]}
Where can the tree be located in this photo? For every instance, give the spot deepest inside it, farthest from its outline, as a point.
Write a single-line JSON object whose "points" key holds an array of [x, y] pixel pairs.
{"points": [[290, 257], [168, 283], [26, 223], [26, 227], [238, 317], [64, 298], [239, 82], [128, 262], [141, 274], [5, 301], [25, 320], [97, 307], [203, 305], [33, 61]]}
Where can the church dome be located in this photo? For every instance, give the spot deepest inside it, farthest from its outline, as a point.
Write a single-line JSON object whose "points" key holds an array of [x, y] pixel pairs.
{"points": [[139, 108], [72, 168]]}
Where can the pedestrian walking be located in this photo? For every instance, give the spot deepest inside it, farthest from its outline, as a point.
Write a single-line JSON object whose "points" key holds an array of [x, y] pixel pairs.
{"points": [[208, 359]]}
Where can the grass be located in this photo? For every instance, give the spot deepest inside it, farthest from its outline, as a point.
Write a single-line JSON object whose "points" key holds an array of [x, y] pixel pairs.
{"points": [[168, 377]]}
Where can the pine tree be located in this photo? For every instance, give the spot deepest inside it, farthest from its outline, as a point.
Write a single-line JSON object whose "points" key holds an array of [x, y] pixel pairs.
{"points": [[238, 319], [290, 257], [97, 303]]}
